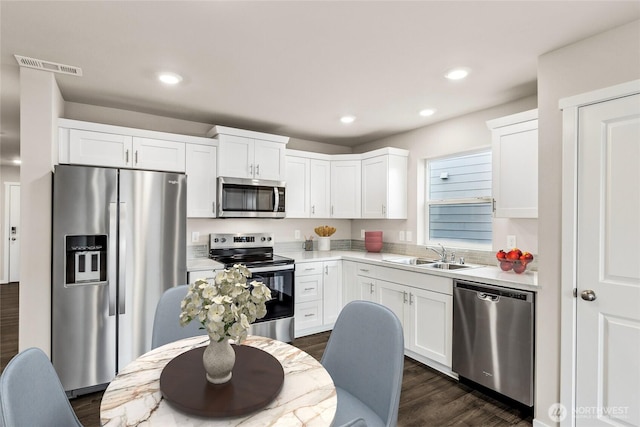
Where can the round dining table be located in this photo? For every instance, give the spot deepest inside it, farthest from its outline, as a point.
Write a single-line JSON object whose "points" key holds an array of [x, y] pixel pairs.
{"points": [[134, 398]]}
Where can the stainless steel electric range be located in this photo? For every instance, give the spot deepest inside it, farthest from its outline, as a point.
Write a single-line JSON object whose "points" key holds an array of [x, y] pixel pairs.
{"points": [[255, 251]]}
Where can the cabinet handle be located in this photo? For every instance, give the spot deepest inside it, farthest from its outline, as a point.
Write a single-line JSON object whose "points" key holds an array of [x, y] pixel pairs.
{"points": [[257, 169], [410, 298], [363, 270], [309, 269], [371, 284], [404, 294], [213, 207], [313, 209], [308, 289], [309, 315], [326, 269], [251, 169], [136, 157], [331, 210], [384, 210], [126, 157]]}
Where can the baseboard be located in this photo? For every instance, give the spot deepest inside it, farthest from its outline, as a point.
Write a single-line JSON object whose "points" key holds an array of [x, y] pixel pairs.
{"points": [[538, 423]]}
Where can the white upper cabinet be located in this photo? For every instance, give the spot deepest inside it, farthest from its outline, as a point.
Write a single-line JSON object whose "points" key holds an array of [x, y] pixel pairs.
{"points": [[308, 185], [515, 165], [384, 184], [248, 154], [158, 154], [346, 189], [201, 181], [99, 148]]}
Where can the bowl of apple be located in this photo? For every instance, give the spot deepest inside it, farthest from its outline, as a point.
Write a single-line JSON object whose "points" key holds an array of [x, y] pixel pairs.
{"points": [[514, 259]]}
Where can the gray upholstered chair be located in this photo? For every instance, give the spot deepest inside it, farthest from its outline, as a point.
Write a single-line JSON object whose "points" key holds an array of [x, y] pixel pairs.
{"points": [[365, 358], [31, 393], [166, 323]]}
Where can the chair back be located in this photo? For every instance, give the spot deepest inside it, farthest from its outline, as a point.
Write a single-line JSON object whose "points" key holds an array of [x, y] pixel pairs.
{"points": [[31, 393], [365, 356], [166, 323]]}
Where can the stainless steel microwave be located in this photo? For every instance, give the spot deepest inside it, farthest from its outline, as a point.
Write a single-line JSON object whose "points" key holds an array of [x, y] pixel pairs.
{"points": [[250, 198]]}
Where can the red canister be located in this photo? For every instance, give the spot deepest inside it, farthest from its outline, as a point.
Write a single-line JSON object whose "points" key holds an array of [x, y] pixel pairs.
{"points": [[373, 241]]}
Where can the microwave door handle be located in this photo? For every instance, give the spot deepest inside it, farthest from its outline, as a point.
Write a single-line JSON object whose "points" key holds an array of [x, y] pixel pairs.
{"points": [[276, 195], [112, 282]]}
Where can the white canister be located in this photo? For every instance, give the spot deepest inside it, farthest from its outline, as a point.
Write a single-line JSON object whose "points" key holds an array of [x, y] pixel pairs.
{"points": [[324, 243]]}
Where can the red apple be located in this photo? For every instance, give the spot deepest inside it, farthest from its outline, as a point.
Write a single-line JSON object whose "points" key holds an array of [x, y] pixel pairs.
{"points": [[501, 254], [519, 267], [514, 254], [506, 265]]}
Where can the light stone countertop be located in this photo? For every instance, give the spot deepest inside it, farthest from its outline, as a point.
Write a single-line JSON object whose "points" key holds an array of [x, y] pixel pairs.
{"points": [[491, 275], [308, 395]]}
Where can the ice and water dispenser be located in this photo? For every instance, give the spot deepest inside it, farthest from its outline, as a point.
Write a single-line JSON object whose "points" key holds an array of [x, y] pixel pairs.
{"points": [[86, 259]]}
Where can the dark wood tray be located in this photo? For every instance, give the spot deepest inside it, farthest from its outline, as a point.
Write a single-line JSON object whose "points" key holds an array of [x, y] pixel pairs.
{"points": [[257, 379]]}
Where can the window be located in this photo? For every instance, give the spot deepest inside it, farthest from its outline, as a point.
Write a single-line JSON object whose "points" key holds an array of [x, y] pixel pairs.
{"points": [[459, 208]]}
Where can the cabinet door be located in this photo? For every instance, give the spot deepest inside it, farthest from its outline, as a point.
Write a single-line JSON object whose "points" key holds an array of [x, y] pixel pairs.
{"points": [[346, 191], [201, 181], [308, 315], [332, 292], [269, 159], [393, 296], [429, 326], [297, 192], [158, 154], [515, 170], [366, 289], [235, 156], [350, 290], [309, 288], [99, 149], [320, 188], [374, 187]]}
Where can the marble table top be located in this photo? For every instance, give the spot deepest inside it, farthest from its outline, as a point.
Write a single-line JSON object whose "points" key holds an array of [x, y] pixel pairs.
{"points": [[308, 395]]}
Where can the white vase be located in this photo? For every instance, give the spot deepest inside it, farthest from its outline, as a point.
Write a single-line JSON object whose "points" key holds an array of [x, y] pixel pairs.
{"points": [[324, 243], [218, 360]]}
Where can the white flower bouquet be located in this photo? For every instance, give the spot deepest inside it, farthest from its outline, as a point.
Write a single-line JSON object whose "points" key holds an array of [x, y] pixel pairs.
{"points": [[227, 307]]}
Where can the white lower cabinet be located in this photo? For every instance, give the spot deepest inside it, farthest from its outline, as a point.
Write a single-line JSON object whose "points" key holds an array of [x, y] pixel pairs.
{"points": [[422, 302], [318, 295]]}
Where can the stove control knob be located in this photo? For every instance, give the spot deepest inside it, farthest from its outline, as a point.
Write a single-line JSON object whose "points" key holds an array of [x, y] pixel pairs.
{"points": [[224, 239], [263, 239], [216, 240], [268, 239]]}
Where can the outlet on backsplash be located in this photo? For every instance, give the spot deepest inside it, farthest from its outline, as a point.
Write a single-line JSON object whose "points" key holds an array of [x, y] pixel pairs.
{"points": [[401, 236], [511, 241], [408, 236]]}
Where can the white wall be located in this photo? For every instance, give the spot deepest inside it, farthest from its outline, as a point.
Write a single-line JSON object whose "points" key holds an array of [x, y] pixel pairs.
{"points": [[7, 174], [40, 105], [464, 133], [607, 59]]}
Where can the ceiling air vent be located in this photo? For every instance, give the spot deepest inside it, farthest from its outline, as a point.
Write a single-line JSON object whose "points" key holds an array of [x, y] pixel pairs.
{"points": [[54, 67]]}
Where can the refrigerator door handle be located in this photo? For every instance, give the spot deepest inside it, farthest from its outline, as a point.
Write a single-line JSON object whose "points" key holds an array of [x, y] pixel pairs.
{"points": [[122, 261], [111, 257]]}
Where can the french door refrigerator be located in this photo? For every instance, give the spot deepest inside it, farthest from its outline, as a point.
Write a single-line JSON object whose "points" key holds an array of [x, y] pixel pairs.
{"points": [[119, 241]]}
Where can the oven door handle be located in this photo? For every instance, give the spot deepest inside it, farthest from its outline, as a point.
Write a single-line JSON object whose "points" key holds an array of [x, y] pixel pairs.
{"points": [[274, 268]]}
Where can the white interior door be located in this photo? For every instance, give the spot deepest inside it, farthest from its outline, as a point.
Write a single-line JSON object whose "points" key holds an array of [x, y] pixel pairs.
{"points": [[14, 233], [608, 264]]}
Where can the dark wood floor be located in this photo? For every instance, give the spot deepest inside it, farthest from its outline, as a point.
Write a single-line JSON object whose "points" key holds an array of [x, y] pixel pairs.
{"points": [[428, 399]]}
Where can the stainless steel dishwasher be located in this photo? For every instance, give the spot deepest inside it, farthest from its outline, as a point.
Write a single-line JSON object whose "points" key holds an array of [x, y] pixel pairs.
{"points": [[493, 341]]}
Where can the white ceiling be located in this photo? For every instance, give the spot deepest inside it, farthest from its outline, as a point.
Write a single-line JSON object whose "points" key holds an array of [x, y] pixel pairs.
{"points": [[294, 67]]}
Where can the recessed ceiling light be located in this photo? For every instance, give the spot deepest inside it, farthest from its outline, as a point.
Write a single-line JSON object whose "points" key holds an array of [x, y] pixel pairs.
{"points": [[427, 112], [17, 161], [347, 119], [457, 73], [170, 78]]}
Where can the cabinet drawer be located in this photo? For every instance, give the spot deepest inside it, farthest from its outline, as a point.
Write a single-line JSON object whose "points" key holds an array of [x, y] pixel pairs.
{"points": [[308, 315], [308, 268], [366, 270], [308, 288]]}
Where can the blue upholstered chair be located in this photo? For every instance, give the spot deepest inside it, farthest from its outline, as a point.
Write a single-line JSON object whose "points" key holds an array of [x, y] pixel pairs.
{"points": [[31, 393], [166, 323], [365, 358]]}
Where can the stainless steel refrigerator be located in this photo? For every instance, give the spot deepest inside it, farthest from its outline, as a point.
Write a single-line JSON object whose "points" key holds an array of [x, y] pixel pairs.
{"points": [[119, 241]]}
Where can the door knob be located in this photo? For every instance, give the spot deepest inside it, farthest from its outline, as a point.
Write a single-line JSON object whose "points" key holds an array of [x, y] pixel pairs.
{"points": [[588, 295]]}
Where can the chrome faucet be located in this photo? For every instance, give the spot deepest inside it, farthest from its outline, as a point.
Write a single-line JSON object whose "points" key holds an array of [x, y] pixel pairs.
{"points": [[442, 254]]}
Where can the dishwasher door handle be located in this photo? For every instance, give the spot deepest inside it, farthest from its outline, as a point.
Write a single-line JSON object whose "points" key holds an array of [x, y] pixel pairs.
{"points": [[488, 297]]}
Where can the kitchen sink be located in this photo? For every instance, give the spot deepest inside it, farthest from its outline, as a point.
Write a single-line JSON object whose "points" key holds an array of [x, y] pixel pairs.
{"points": [[446, 266], [411, 261]]}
